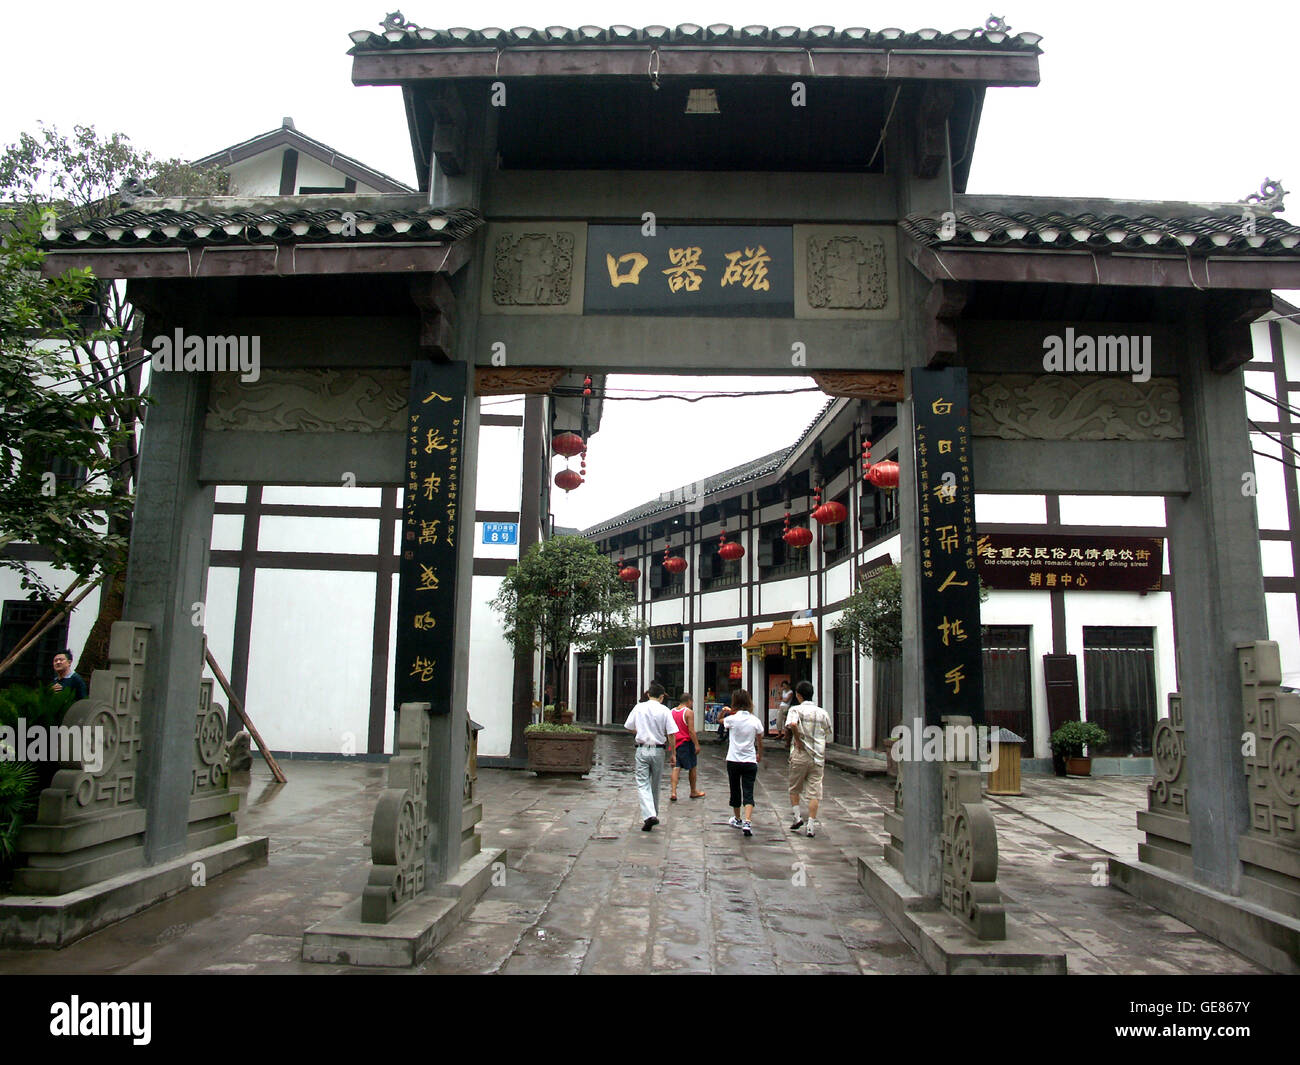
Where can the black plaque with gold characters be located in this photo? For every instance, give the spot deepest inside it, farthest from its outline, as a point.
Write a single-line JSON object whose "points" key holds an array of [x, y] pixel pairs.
{"points": [[426, 596], [950, 590], [713, 271]]}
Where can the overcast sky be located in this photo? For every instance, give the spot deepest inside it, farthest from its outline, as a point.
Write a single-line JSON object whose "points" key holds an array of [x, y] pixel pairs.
{"points": [[1187, 101]]}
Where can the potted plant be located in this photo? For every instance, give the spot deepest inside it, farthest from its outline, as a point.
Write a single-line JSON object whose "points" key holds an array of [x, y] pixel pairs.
{"points": [[1069, 742], [562, 596]]}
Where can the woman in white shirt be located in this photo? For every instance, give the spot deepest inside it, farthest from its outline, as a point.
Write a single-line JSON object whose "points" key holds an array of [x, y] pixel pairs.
{"points": [[744, 752]]}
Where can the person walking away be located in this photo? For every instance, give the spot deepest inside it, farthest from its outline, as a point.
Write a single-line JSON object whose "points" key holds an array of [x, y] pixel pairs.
{"points": [[688, 746], [66, 678], [744, 753], [808, 726], [654, 728]]}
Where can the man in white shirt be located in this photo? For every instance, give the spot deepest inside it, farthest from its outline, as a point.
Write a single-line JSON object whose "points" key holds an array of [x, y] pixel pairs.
{"points": [[808, 726], [745, 751], [655, 731]]}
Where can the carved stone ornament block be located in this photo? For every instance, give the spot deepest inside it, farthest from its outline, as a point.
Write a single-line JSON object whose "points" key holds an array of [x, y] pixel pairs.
{"points": [[846, 272], [515, 380], [970, 850], [535, 268], [1167, 792], [314, 401], [1272, 718], [399, 834], [884, 387], [209, 744], [1074, 407], [89, 822]]}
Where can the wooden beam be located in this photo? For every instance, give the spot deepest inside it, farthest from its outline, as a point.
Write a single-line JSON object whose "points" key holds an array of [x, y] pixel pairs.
{"points": [[397, 67], [273, 260], [448, 130], [1085, 268], [1229, 316], [931, 137], [432, 294], [515, 380], [238, 708], [943, 306], [884, 387]]}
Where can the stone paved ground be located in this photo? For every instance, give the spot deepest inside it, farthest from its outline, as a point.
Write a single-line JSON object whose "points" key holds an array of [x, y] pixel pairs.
{"points": [[587, 892]]}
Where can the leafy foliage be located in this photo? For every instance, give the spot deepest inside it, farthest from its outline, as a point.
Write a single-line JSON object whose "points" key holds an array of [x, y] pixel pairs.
{"points": [[564, 594], [873, 615], [1073, 736], [81, 402], [551, 727], [50, 421], [17, 797]]}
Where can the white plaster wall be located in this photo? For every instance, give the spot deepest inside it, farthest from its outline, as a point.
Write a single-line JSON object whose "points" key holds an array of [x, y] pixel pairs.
{"points": [[227, 532], [715, 606], [1010, 509], [1154, 610], [1283, 627], [257, 176], [1270, 483], [309, 658], [219, 625], [492, 671], [840, 580], [1112, 510], [344, 536], [1035, 610], [80, 621], [1276, 557], [312, 172], [500, 467], [785, 597]]}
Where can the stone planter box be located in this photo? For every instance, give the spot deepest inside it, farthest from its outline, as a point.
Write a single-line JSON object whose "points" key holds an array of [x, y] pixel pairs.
{"points": [[560, 752]]}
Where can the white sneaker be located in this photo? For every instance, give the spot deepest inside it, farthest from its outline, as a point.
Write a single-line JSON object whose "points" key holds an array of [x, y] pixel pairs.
{"points": [[812, 828], [747, 828], [735, 823]]}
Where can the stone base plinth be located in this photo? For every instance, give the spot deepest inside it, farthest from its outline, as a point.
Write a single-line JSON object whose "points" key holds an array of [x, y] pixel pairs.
{"points": [[945, 944], [1263, 935], [57, 920], [414, 931]]}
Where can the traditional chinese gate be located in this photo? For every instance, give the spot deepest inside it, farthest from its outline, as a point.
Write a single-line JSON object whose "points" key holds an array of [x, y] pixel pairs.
{"points": [[856, 259]]}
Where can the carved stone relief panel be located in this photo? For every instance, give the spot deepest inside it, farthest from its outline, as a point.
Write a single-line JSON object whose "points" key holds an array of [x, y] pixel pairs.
{"points": [[1074, 407], [534, 268], [314, 401], [845, 272]]}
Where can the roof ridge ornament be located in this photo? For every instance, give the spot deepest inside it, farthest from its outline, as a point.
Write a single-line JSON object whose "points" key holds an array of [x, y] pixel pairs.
{"points": [[133, 189], [995, 24], [1268, 199], [395, 20]]}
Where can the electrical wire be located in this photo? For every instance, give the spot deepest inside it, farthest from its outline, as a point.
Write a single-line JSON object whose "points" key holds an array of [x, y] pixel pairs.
{"points": [[690, 397]]}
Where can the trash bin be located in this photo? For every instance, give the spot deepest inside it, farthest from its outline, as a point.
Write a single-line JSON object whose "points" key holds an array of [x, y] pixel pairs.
{"points": [[1004, 779]]}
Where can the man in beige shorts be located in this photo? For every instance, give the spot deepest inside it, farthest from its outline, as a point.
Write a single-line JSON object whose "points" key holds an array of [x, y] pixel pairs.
{"points": [[808, 727]]}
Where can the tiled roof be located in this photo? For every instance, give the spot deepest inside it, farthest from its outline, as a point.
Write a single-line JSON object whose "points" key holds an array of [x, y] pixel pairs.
{"points": [[782, 632], [234, 220], [718, 482], [1102, 225], [396, 33]]}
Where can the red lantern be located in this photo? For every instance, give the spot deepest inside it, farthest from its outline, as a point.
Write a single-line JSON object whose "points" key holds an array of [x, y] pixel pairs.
{"points": [[830, 513], [630, 574], [798, 536], [568, 480], [675, 564], [732, 551], [884, 474], [568, 445]]}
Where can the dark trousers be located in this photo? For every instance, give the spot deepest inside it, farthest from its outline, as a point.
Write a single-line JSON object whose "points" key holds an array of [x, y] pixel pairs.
{"points": [[741, 776]]}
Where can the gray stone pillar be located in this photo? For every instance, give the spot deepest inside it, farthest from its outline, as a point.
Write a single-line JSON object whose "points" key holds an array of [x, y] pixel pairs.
{"points": [[166, 578], [922, 783], [1219, 600]]}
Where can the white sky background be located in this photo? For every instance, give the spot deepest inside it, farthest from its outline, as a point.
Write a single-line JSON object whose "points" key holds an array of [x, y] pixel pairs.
{"points": [[1186, 101]]}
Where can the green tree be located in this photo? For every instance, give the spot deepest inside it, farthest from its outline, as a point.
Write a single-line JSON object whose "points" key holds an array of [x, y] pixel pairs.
{"points": [[68, 179], [56, 463], [565, 595], [873, 615]]}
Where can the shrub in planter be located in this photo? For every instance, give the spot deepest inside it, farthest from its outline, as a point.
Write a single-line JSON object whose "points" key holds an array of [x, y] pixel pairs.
{"points": [[1070, 740]]}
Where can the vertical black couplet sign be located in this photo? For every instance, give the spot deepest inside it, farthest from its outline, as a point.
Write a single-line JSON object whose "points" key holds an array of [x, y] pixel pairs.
{"points": [[430, 531], [950, 594]]}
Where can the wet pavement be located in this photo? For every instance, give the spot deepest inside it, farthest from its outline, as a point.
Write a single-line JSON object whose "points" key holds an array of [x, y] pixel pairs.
{"points": [[586, 891]]}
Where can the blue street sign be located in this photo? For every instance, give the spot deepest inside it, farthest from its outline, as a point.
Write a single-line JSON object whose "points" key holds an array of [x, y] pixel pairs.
{"points": [[501, 532]]}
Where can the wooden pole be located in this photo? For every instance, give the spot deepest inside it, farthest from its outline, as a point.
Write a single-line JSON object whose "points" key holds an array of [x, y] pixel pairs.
{"points": [[38, 630], [238, 708]]}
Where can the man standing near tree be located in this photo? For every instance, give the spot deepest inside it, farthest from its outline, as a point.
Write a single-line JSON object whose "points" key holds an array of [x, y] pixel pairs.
{"points": [[64, 677], [808, 725], [655, 732]]}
